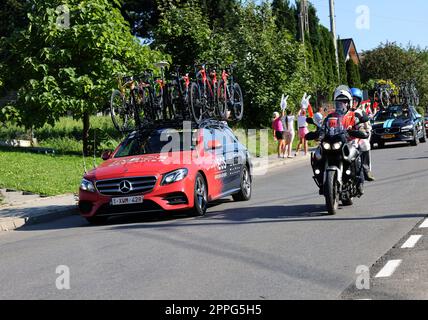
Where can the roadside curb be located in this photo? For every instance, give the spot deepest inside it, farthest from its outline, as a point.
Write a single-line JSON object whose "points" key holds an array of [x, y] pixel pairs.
{"points": [[261, 165], [37, 210], [10, 224]]}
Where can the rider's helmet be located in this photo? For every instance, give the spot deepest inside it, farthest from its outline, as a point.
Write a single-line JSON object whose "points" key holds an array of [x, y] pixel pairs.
{"points": [[342, 99], [357, 95]]}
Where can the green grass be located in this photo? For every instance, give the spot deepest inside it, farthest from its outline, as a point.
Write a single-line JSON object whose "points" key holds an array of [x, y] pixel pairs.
{"points": [[66, 135], [39, 173]]}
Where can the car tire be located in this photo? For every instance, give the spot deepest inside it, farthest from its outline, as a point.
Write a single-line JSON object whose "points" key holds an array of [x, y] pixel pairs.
{"points": [[415, 141], [200, 197], [96, 221], [424, 137], [246, 186]]}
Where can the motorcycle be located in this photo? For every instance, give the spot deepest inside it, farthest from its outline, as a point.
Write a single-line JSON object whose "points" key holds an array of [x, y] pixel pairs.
{"points": [[336, 163]]}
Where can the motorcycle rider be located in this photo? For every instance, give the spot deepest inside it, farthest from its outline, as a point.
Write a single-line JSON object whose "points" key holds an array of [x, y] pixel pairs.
{"points": [[364, 144], [343, 101]]}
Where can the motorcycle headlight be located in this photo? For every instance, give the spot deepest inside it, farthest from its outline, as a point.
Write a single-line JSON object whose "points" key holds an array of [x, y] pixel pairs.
{"points": [[337, 145], [326, 146], [407, 128], [87, 185], [174, 176]]}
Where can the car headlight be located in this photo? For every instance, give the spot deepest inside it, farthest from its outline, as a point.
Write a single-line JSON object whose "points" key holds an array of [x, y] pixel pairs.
{"points": [[337, 145], [406, 128], [174, 176], [326, 146], [87, 185]]}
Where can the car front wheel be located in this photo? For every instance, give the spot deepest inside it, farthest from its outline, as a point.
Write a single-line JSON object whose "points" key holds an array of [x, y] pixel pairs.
{"points": [[200, 197]]}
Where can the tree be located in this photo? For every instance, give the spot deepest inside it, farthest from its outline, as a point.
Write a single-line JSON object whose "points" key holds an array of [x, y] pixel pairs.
{"points": [[71, 68], [13, 16], [390, 61], [270, 64], [285, 16], [183, 32], [143, 16], [398, 64], [353, 73], [343, 79]]}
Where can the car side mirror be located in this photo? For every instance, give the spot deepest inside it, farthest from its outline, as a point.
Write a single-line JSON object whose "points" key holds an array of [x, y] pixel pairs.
{"points": [[106, 155], [214, 145]]}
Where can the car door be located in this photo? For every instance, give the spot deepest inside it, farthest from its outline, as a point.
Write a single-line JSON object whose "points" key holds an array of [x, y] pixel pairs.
{"points": [[417, 119], [237, 157]]}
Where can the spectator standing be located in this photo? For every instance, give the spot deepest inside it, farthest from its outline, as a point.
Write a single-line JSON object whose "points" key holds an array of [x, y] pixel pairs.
{"points": [[278, 132], [319, 117], [303, 131]]}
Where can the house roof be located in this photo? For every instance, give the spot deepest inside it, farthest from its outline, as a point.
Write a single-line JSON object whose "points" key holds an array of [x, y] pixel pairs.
{"points": [[350, 50]]}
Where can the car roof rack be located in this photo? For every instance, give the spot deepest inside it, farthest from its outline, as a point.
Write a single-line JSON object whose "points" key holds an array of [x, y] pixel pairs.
{"points": [[177, 124]]}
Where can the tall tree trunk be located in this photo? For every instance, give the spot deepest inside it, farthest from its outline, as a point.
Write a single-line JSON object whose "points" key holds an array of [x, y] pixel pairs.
{"points": [[85, 136]]}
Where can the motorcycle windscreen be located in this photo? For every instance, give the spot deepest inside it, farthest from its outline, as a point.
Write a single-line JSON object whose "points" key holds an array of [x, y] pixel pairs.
{"points": [[334, 125]]}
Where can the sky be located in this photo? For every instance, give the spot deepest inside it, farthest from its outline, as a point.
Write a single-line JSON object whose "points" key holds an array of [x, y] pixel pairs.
{"points": [[388, 20]]}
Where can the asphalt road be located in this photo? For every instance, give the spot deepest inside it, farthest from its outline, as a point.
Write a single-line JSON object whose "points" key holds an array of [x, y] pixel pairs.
{"points": [[280, 245]]}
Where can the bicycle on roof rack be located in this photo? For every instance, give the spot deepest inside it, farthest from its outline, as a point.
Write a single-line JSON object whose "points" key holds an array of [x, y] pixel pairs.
{"points": [[124, 110], [145, 99], [383, 94], [409, 94]]}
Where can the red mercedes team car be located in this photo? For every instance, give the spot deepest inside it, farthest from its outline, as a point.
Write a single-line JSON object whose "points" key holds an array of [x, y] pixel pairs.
{"points": [[167, 168]]}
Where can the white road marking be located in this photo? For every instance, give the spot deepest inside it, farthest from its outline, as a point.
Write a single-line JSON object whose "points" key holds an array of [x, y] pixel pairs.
{"points": [[424, 224], [388, 269], [411, 242]]}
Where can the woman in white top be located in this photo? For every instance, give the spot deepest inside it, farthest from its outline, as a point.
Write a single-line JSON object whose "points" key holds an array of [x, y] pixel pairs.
{"points": [[289, 132], [303, 130]]}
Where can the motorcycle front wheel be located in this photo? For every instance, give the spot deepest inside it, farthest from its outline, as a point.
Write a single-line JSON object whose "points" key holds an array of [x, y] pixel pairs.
{"points": [[331, 193]]}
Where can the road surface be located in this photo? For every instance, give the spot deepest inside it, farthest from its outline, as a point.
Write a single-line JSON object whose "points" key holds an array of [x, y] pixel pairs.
{"points": [[280, 245]]}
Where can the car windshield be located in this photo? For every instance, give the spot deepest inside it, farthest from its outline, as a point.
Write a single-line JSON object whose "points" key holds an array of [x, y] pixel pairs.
{"points": [[157, 141], [393, 113]]}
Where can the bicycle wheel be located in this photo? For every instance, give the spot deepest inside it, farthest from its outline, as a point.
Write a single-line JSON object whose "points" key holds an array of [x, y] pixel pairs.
{"points": [[238, 102], [222, 101], [158, 103], [173, 100], [196, 102], [145, 106], [119, 111]]}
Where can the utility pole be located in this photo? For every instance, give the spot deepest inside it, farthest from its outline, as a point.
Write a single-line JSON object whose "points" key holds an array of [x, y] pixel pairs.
{"points": [[333, 32], [304, 21]]}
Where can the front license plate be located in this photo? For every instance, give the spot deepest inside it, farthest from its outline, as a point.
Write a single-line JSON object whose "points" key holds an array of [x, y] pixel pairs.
{"points": [[127, 200], [388, 136]]}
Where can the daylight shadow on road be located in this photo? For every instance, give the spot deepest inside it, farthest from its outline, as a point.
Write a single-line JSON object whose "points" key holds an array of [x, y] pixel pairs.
{"points": [[261, 215]]}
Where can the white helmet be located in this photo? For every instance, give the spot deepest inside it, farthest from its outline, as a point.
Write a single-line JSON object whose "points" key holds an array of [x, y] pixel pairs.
{"points": [[343, 99], [342, 93]]}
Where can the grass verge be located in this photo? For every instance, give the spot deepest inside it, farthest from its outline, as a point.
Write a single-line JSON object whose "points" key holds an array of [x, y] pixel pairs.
{"points": [[41, 174]]}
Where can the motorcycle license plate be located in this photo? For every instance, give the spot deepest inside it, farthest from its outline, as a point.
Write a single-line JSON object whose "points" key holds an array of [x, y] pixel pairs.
{"points": [[126, 200], [388, 136]]}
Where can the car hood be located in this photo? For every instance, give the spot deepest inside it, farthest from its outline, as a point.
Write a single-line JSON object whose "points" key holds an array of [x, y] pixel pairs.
{"points": [[392, 123], [150, 164]]}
